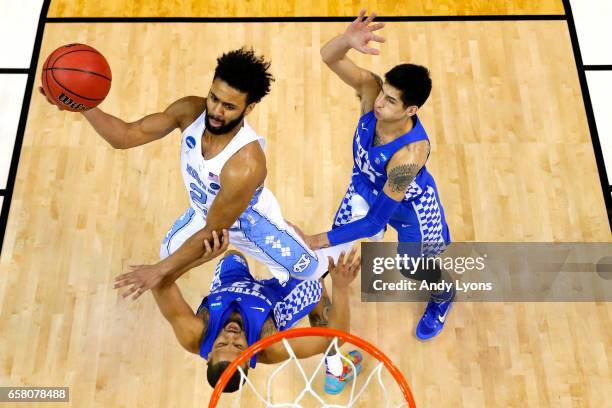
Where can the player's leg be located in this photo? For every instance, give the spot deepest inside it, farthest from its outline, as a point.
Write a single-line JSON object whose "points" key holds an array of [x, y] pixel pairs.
{"points": [[424, 232], [265, 235], [338, 370]]}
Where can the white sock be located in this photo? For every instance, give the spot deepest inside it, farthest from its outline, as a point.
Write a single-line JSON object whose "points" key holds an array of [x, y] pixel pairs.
{"points": [[334, 364]]}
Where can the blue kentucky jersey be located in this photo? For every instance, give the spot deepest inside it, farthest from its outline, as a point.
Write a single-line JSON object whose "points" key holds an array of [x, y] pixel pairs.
{"points": [[369, 169], [234, 288]]}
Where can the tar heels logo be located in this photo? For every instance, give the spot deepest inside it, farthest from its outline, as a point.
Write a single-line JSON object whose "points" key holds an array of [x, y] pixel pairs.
{"points": [[190, 141], [301, 264]]}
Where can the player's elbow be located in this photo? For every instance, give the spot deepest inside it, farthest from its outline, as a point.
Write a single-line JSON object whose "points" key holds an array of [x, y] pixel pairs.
{"points": [[325, 56], [372, 227], [118, 145]]}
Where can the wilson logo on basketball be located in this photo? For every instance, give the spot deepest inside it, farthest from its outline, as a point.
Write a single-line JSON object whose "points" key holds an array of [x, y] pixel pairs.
{"points": [[76, 77], [69, 102]]}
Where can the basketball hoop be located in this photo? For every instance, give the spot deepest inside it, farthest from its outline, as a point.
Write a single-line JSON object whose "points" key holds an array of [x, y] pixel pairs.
{"points": [[261, 345]]}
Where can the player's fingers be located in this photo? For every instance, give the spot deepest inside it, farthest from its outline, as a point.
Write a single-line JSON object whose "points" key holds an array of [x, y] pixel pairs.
{"points": [[378, 38], [376, 26], [216, 243], [131, 290], [341, 260], [356, 265], [330, 263], [225, 242], [371, 51], [119, 283], [352, 255], [125, 276], [139, 292], [360, 17], [370, 18], [207, 246]]}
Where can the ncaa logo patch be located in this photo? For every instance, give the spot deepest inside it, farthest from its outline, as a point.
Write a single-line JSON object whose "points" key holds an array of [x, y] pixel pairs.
{"points": [[215, 186], [190, 141]]}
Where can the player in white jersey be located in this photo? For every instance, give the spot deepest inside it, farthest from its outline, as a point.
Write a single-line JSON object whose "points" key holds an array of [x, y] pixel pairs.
{"points": [[224, 168]]}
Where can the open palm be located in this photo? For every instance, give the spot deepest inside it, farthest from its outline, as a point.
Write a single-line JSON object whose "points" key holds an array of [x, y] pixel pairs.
{"points": [[360, 33]]}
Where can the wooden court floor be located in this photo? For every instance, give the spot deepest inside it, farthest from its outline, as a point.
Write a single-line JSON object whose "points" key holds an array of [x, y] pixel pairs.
{"points": [[295, 8], [512, 157]]}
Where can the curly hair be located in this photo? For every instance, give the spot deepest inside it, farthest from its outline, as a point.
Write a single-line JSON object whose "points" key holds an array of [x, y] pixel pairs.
{"points": [[245, 71]]}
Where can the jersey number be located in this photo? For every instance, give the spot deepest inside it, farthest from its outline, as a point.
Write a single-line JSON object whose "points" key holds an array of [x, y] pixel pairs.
{"points": [[197, 194]]}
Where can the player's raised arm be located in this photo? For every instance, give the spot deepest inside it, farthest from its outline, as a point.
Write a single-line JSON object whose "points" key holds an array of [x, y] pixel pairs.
{"points": [[124, 135], [358, 34], [339, 314]]}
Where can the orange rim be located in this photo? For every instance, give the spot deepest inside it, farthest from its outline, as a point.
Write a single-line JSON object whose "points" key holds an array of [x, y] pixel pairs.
{"points": [[311, 332]]}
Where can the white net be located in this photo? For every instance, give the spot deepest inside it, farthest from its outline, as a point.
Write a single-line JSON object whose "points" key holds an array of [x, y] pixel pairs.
{"points": [[375, 379]]}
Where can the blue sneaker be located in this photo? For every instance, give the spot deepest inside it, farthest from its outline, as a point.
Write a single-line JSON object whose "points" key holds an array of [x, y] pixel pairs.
{"points": [[434, 317], [335, 384]]}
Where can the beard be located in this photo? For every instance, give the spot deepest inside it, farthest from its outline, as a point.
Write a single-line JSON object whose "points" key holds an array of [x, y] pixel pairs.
{"points": [[235, 317], [224, 128]]}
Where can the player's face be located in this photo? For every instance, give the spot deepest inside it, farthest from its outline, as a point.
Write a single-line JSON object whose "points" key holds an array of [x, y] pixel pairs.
{"points": [[225, 107], [231, 340], [389, 107]]}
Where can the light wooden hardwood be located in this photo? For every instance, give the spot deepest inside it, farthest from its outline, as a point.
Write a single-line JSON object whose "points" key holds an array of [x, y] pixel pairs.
{"points": [[263, 8], [512, 157]]}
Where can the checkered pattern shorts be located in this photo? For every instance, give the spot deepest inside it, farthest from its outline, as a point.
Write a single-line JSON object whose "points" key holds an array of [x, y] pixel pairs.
{"points": [[344, 213], [305, 295], [430, 221]]}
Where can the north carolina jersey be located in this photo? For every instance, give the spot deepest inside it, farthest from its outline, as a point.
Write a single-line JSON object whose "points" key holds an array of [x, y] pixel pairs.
{"points": [[201, 176], [234, 288], [260, 231]]}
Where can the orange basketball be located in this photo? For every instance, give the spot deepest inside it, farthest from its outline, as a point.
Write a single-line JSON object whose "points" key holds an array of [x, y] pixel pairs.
{"points": [[76, 77]]}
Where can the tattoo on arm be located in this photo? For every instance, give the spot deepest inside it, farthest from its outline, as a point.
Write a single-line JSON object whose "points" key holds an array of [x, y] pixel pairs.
{"points": [[319, 317], [401, 176]]}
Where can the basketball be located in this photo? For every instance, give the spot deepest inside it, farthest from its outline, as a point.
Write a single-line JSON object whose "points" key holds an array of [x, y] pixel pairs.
{"points": [[76, 77]]}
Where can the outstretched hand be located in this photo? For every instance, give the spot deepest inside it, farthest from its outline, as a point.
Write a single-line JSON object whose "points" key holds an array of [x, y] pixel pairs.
{"points": [[346, 270], [141, 278], [42, 92], [359, 33]]}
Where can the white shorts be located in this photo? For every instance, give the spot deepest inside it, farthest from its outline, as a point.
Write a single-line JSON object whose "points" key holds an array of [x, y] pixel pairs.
{"points": [[262, 233]]}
